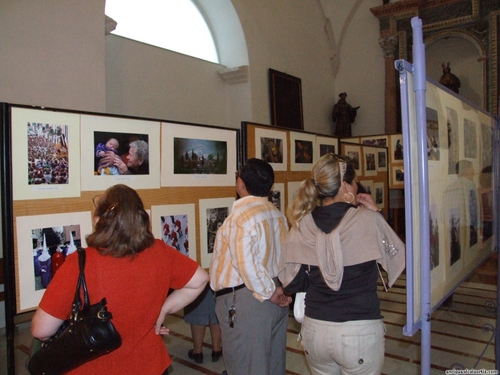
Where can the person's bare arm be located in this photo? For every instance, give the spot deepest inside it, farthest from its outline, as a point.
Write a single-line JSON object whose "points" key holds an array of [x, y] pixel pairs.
{"points": [[182, 297], [44, 325]]}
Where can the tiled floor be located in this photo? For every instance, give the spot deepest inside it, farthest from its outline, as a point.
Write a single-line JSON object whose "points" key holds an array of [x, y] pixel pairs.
{"points": [[457, 337]]}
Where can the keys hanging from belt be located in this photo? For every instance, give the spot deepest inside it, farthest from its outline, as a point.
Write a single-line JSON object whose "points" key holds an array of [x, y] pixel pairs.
{"points": [[232, 311]]}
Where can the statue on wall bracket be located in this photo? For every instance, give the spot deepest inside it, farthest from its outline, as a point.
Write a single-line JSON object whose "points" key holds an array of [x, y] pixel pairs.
{"points": [[448, 79], [343, 116]]}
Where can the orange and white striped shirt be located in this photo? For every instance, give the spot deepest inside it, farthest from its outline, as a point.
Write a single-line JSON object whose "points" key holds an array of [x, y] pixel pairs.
{"points": [[247, 247]]}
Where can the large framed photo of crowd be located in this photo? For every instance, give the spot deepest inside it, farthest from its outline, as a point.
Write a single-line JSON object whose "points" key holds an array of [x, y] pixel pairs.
{"points": [[46, 154], [55, 162]]}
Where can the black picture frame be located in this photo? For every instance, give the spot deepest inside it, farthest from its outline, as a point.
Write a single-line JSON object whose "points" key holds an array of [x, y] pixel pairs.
{"points": [[286, 100]]}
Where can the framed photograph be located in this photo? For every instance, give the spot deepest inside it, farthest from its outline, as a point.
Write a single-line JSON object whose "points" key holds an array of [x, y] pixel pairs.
{"points": [[381, 156], [433, 143], [379, 194], [302, 151], [292, 187], [370, 155], [326, 145], [197, 155], [46, 159], [453, 145], [277, 196], [175, 224], [356, 140], [286, 100], [396, 148], [354, 152], [131, 138], [470, 139], [368, 186], [272, 146], [486, 146], [397, 176], [43, 242], [379, 141], [213, 212]]}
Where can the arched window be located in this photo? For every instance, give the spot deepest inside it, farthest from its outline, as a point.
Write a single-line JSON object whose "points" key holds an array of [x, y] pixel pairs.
{"points": [[176, 25]]}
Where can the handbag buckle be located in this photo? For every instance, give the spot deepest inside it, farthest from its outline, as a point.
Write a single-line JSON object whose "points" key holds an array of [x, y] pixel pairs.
{"points": [[103, 314]]}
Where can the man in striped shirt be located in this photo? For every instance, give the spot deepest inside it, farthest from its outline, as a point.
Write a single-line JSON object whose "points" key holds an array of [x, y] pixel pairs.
{"points": [[250, 304]]}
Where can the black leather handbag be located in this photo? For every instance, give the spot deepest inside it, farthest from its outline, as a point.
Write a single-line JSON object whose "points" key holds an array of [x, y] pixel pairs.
{"points": [[86, 335]]}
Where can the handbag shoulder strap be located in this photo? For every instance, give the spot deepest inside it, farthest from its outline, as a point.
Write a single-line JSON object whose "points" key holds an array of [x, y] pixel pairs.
{"points": [[81, 284]]}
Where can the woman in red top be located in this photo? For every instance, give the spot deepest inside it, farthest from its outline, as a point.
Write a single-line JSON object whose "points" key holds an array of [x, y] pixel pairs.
{"points": [[134, 272]]}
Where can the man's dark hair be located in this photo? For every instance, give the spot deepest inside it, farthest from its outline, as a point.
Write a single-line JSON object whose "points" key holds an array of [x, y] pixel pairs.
{"points": [[258, 177]]}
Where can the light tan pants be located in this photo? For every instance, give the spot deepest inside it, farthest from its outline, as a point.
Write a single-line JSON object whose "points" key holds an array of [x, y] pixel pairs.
{"points": [[349, 348]]}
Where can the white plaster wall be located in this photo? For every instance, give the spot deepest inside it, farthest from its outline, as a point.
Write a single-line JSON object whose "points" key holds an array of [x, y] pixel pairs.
{"points": [[52, 53], [146, 81], [361, 71], [58, 56], [288, 36]]}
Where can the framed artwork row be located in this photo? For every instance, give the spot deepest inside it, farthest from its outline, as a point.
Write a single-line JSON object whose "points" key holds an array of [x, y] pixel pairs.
{"points": [[58, 165], [59, 154], [394, 160], [371, 163], [44, 241], [285, 149], [293, 153], [459, 140]]}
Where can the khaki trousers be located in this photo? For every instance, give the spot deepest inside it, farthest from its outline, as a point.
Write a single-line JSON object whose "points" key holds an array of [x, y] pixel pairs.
{"points": [[349, 348]]}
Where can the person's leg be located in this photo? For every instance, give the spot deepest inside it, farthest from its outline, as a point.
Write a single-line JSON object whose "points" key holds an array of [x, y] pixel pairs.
{"points": [[363, 347], [278, 340], [247, 345], [197, 314], [216, 337], [198, 334], [216, 342], [318, 341]]}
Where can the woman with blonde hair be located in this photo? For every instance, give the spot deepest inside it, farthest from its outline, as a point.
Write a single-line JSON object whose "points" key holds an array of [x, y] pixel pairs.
{"points": [[134, 272], [337, 238]]}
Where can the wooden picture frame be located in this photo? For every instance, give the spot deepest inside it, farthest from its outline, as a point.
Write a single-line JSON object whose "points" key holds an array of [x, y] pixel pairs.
{"points": [[166, 216], [28, 295], [292, 188], [302, 151], [379, 194], [277, 196], [207, 207], [354, 152], [136, 129], [396, 148], [326, 145], [382, 159], [216, 165], [36, 128], [397, 176], [370, 160], [378, 141], [263, 150], [285, 92]]}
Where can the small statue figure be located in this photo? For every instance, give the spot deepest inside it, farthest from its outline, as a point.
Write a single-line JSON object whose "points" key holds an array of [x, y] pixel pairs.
{"points": [[343, 116], [448, 79]]}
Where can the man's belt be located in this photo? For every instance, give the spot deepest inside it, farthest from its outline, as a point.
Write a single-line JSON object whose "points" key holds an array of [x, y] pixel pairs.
{"points": [[228, 290]]}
